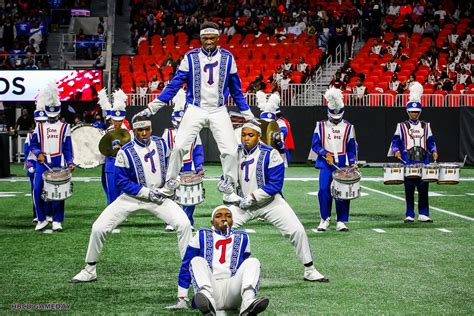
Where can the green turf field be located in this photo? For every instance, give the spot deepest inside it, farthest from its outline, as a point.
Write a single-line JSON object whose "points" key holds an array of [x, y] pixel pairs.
{"points": [[409, 269]]}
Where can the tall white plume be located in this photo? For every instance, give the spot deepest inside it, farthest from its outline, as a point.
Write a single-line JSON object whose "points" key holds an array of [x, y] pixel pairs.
{"points": [[104, 100], [179, 100], [416, 91], [120, 100], [273, 103], [261, 100], [48, 96], [334, 98]]}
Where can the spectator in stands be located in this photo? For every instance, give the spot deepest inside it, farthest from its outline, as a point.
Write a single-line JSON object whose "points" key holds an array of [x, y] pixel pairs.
{"points": [[30, 64], [464, 77], [393, 8], [337, 36], [256, 85], [322, 35], [8, 33], [433, 78], [24, 123], [277, 75], [280, 31], [376, 48], [15, 56], [409, 81], [445, 83], [287, 65], [44, 62], [395, 84], [337, 82], [36, 35], [418, 27], [32, 47], [304, 68], [352, 32], [100, 60], [347, 72], [77, 119], [359, 93], [418, 9], [392, 65], [426, 60], [154, 83], [168, 61], [441, 13]]}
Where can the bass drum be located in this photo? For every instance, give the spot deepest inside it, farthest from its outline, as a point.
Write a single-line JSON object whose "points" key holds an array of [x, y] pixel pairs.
{"points": [[85, 144]]}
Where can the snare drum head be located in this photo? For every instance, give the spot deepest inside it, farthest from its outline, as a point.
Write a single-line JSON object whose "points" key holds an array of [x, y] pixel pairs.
{"points": [[431, 166], [449, 166], [346, 174], [85, 143], [57, 174], [393, 165], [189, 178]]}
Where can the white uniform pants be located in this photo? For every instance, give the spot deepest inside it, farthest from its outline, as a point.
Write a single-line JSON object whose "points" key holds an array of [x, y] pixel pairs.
{"points": [[282, 216], [194, 120], [226, 293], [122, 207]]}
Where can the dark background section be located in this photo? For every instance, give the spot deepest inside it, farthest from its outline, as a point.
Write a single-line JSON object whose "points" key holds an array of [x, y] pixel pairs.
{"points": [[453, 129]]}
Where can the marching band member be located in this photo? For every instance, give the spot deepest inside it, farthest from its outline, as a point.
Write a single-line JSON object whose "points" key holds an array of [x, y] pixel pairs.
{"points": [[211, 75], [51, 144], [335, 144], [194, 159], [411, 143], [30, 162], [218, 264], [140, 169], [261, 174], [117, 115]]}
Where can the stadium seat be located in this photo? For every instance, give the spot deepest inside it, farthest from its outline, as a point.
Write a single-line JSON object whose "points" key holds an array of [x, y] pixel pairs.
{"points": [[438, 98]]}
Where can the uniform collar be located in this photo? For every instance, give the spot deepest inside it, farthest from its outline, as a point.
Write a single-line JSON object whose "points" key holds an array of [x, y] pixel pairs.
{"points": [[218, 232], [414, 122], [141, 144], [251, 151], [205, 52]]}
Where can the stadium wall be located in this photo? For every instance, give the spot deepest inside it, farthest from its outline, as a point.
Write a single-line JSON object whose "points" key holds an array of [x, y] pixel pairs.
{"points": [[452, 128]]}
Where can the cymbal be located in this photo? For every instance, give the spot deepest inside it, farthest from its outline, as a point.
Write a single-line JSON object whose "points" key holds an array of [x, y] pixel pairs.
{"points": [[105, 144], [268, 129]]}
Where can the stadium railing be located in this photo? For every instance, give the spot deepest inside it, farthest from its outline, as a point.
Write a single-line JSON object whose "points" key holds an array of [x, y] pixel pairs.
{"points": [[305, 95]]}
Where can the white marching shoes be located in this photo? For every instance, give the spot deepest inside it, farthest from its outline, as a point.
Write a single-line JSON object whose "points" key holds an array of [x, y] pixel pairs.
{"points": [[57, 227], [169, 228], [88, 274], [323, 225], [409, 219], [424, 219], [181, 304], [313, 275], [341, 227], [204, 304], [41, 225], [254, 307]]}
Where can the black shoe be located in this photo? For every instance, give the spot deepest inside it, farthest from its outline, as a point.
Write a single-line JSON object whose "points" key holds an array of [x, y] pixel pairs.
{"points": [[257, 306], [204, 304]]}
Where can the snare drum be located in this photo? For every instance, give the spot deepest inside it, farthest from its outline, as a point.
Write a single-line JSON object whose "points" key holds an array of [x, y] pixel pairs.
{"points": [[85, 144], [413, 171], [191, 190], [430, 173], [345, 184], [393, 173], [57, 185], [448, 173]]}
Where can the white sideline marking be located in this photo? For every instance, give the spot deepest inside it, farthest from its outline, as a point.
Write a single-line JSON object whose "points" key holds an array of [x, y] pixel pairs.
{"points": [[116, 231], [431, 207], [47, 231], [250, 231], [316, 231], [378, 230], [444, 230], [471, 194]]}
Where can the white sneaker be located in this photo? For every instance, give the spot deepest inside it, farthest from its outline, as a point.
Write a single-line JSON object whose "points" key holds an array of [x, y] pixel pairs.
{"points": [[169, 228], [35, 220], [424, 219], [323, 225], [341, 227], [254, 307], [57, 227], [409, 219], [204, 304], [181, 304], [49, 218], [313, 275], [88, 274], [41, 225]]}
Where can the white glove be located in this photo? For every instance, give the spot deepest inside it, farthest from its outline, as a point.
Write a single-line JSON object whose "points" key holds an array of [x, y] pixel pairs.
{"points": [[181, 304], [254, 121], [246, 202], [225, 186], [155, 105], [156, 197]]}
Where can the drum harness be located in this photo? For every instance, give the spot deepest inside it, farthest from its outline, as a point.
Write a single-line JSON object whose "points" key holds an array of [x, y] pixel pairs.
{"points": [[416, 153]]}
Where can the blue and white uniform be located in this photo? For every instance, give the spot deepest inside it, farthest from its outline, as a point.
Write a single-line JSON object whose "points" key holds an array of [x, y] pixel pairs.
{"points": [[261, 174], [339, 140], [219, 266], [210, 80], [139, 169], [410, 136], [53, 140], [192, 161]]}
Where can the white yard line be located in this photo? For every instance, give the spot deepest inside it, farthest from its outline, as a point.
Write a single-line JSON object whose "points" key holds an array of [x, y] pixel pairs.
{"points": [[431, 207], [378, 230], [444, 230]]}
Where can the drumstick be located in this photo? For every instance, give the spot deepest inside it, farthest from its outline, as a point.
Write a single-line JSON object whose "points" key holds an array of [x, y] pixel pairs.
{"points": [[333, 164], [46, 165]]}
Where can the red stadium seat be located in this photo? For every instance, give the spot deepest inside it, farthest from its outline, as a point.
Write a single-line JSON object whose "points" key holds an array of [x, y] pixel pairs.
{"points": [[438, 98]]}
